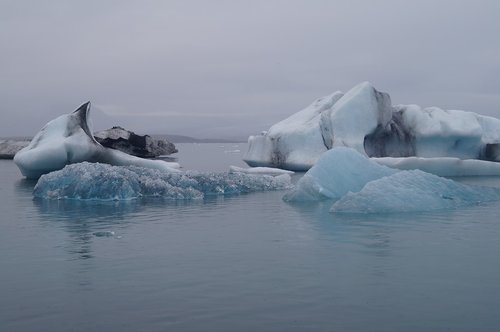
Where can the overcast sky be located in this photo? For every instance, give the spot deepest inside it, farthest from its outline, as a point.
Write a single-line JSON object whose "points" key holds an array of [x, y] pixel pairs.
{"points": [[232, 68]]}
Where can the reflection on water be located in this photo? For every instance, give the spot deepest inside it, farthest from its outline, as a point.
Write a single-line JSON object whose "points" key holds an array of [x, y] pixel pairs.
{"points": [[241, 263]]}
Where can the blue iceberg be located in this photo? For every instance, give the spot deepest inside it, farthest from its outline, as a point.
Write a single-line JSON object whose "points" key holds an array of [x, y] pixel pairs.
{"points": [[95, 181], [356, 184], [413, 191], [337, 172]]}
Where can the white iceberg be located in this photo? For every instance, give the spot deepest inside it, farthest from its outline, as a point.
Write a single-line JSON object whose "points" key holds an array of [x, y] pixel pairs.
{"points": [[68, 139], [365, 120], [357, 184], [95, 181]]}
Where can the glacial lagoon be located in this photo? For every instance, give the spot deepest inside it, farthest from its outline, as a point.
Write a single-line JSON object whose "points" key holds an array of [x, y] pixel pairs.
{"points": [[249, 262]]}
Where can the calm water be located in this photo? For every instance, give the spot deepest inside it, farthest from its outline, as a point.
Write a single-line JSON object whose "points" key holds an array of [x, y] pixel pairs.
{"points": [[244, 263]]}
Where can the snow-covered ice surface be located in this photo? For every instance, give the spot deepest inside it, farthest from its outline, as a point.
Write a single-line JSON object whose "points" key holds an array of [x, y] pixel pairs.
{"points": [[365, 120], [68, 139], [259, 170], [357, 184], [95, 181]]}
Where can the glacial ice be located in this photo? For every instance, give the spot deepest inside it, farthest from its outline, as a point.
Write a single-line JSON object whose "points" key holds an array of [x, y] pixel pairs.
{"points": [[68, 139], [365, 120], [444, 166], [143, 146], [357, 184], [259, 170], [413, 191], [294, 143], [337, 172], [95, 181]]}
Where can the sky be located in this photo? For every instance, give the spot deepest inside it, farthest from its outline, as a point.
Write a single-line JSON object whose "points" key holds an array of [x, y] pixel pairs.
{"points": [[233, 68]]}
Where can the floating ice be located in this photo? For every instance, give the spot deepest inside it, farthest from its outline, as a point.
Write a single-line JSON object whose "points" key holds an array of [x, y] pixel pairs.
{"points": [[365, 120], [359, 185], [444, 166], [259, 170], [94, 181], [413, 191], [68, 139], [337, 172]]}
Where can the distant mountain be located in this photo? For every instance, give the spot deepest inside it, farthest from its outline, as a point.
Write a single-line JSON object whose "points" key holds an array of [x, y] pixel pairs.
{"points": [[189, 139]]}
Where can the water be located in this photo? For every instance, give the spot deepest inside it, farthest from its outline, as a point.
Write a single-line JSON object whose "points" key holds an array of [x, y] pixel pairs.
{"points": [[242, 263]]}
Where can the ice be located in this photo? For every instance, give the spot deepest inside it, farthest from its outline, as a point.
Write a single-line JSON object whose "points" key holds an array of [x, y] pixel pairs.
{"points": [[444, 166], [365, 120], [294, 143], [357, 184], [337, 172], [68, 139], [413, 191], [95, 181], [259, 170], [127, 141]]}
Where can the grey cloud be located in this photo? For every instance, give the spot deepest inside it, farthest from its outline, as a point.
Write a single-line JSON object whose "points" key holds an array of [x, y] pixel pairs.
{"points": [[222, 68]]}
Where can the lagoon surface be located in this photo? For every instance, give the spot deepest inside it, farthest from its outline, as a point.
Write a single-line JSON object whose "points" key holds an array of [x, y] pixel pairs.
{"points": [[242, 263]]}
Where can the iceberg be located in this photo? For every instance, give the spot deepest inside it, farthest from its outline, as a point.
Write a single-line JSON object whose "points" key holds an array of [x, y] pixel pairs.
{"points": [[96, 181], [357, 184], [127, 141], [413, 191], [444, 166], [68, 139], [337, 172], [259, 170], [364, 119]]}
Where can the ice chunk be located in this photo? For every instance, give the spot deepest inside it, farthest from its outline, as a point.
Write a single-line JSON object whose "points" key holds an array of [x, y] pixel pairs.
{"points": [[335, 120], [95, 181], [365, 120], [444, 166], [259, 170], [127, 141], [337, 172], [294, 143], [68, 139], [413, 191]]}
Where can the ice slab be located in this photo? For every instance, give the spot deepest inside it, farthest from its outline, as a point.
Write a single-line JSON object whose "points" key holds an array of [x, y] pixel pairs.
{"points": [[337, 172], [259, 170], [444, 166], [413, 191], [95, 181], [357, 184]]}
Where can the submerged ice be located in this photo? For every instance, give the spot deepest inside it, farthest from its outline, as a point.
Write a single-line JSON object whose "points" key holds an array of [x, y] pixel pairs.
{"points": [[364, 119], [95, 181], [356, 184]]}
